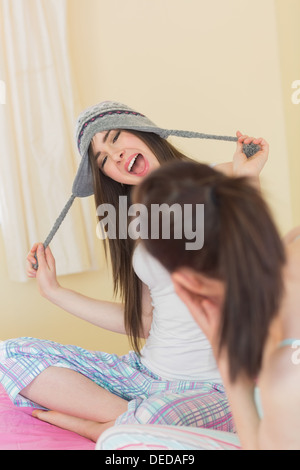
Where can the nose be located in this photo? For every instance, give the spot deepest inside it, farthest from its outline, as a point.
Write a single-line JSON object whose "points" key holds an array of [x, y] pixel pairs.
{"points": [[118, 156]]}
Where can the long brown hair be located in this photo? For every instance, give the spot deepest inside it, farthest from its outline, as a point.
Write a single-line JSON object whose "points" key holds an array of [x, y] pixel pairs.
{"points": [[241, 247], [126, 283]]}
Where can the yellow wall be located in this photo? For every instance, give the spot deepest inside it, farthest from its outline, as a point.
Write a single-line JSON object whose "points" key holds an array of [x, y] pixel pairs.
{"points": [[288, 17], [210, 66], [207, 66]]}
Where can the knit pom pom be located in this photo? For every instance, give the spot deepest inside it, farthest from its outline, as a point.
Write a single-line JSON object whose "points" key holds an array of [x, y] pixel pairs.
{"points": [[250, 149]]}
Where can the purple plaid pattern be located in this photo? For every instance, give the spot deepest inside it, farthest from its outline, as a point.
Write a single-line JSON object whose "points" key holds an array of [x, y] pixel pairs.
{"points": [[151, 400]]}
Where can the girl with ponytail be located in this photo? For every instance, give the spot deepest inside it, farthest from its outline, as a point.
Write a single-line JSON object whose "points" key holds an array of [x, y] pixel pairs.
{"points": [[242, 288]]}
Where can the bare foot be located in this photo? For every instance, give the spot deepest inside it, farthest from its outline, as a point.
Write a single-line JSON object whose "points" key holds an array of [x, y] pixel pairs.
{"points": [[84, 427]]}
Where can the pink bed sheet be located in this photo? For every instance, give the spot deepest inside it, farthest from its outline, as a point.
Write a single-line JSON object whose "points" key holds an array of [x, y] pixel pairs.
{"points": [[20, 431]]}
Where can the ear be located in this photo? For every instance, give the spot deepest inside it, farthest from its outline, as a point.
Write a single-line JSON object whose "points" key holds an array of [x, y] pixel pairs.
{"points": [[189, 279], [200, 284]]}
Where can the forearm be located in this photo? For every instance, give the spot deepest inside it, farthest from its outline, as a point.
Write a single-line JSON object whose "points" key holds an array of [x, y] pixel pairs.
{"points": [[104, 314], [107, 315], [228, 169]]}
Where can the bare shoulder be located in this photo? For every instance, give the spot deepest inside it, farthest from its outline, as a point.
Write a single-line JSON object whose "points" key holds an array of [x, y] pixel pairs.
{"points": [[280, 395], [292, 235], [283, 375]]}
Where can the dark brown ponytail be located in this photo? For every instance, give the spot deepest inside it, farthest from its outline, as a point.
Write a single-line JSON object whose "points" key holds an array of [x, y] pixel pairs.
{"points": [[241, 247], [251, 261]]}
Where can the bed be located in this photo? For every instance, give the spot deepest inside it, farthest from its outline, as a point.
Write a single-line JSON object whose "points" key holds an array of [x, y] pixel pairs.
{"points": [[20, 431]]}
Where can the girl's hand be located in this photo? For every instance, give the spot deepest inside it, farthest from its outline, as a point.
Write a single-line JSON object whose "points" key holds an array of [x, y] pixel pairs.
{"points": [[46, 272], [31, 261], [252, 166]]}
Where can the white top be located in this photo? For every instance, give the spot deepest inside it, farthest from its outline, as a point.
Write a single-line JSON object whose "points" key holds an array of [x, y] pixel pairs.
{"points": [[176, 348]]}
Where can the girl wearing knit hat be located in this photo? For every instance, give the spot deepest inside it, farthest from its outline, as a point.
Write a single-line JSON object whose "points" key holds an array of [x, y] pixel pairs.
{"points": [[173, 379]]}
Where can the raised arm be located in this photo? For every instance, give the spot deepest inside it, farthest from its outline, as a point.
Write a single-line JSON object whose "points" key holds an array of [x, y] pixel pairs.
{"points": [[243, 166], [107, 315], [104, 314]]}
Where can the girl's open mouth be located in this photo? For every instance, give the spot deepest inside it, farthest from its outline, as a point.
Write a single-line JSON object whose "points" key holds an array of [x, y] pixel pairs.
{"points": [[138, 165]]}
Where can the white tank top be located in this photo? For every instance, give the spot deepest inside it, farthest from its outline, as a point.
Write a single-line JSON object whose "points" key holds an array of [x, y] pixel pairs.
{"points": [[176, 348]]}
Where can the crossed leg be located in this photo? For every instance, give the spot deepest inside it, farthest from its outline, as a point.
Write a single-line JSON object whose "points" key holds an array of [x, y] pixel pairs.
{"points": [[80, 405]]}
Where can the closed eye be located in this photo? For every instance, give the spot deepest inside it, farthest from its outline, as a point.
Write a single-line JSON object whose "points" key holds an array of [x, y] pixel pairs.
{"points": [[116, 136], [103, 162], [114, 140]]}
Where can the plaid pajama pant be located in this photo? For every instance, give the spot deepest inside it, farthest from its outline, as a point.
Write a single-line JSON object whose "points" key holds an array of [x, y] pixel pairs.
{"points": [[151, 399]]}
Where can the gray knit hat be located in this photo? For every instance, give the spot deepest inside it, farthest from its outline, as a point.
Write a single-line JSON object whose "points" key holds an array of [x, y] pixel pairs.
{"points": [[110, 115], [105, 116]]}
